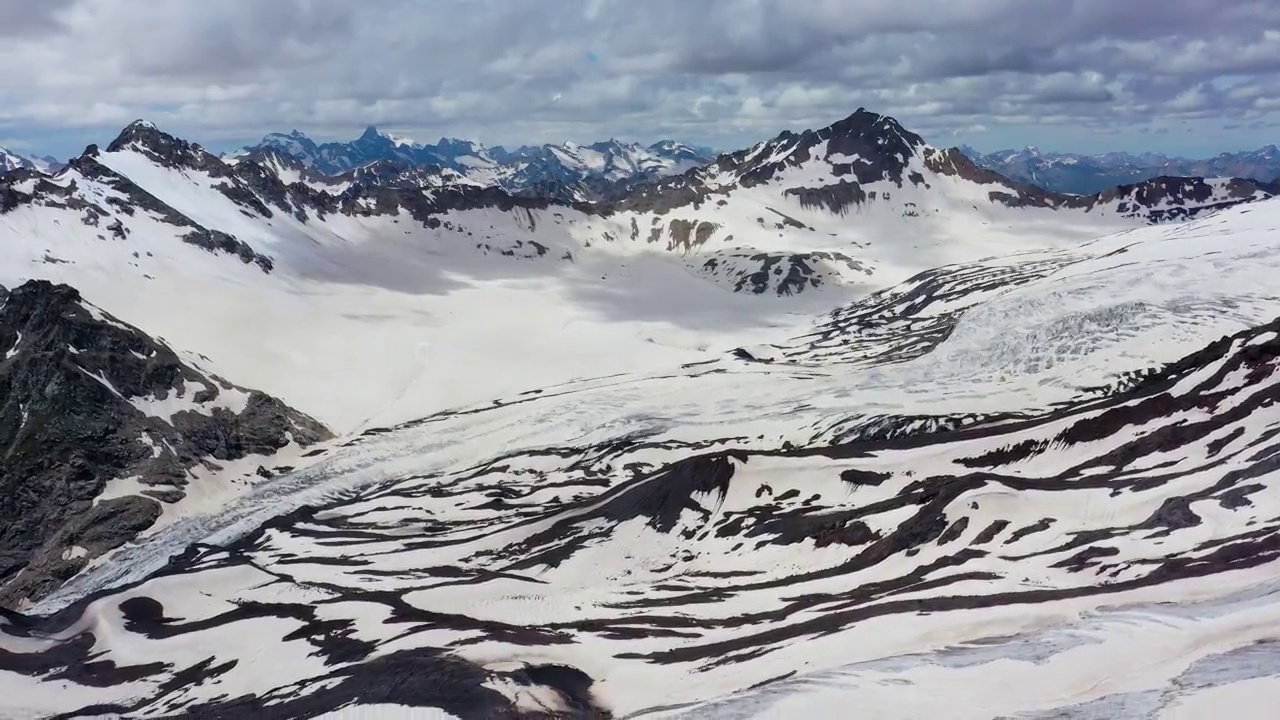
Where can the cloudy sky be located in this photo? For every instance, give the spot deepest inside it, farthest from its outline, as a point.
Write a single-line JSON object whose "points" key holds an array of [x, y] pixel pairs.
{"points": [[1186, 76]]}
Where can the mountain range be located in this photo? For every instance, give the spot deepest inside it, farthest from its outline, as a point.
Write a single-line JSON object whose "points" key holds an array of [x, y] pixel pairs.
{"points": [[567, 172], [841, 417], [570, 172], [10, 161], [1087, 174]]}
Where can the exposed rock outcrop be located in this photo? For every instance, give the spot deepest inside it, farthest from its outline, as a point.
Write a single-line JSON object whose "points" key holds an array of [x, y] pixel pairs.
{"points": [[87, 401]]}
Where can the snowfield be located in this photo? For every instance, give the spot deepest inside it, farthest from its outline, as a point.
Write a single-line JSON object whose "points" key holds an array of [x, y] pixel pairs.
{"points": [[998, 462]]}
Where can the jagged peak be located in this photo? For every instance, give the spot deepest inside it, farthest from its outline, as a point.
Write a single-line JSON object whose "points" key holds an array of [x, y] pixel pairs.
{"points": [[145, 133], [167, 150], [457, 143], [865, 123], [373, 134]]}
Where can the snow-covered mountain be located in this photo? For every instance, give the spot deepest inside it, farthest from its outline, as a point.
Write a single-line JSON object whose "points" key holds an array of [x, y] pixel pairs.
{"points": [[801, 211], [10, 161], [839, 417], [567, 172], [1085, 174]]}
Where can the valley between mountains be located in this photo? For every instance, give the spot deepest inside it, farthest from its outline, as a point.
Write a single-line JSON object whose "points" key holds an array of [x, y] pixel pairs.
{"points": [[840, 420]]}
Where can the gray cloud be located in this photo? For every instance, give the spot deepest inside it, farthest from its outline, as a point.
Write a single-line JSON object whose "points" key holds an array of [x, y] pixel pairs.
{"points": [[18, 18], [716, 70]]}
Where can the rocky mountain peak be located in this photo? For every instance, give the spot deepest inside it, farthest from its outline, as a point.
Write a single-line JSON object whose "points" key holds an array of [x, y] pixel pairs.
{"points": [[866, 147], [140, 132], [144, 137], [870, 134], [863, 121], [456, 146], [610, 145]]}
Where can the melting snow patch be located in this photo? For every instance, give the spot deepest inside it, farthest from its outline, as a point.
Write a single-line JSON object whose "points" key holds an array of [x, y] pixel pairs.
{"points": [[530, 698], [102, 380], [155, 449], [102, 317], [74, 552], [182, 400], [126, 487]]}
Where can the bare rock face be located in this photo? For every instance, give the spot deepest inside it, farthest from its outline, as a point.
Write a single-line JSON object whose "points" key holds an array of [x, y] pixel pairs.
{"points": [[781, 273], [166, 150], [86, 400]]}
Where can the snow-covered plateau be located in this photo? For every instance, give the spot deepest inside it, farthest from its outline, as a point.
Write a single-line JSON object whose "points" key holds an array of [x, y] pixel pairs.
{"points": [[840, 425]]}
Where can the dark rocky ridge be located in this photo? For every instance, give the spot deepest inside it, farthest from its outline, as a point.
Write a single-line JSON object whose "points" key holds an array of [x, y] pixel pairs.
{"points": [[781, 273], [68, 426], [1177, 198]]}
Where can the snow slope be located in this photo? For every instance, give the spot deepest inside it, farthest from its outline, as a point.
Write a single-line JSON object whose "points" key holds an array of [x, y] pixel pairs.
{"points": [[1018, 488]]}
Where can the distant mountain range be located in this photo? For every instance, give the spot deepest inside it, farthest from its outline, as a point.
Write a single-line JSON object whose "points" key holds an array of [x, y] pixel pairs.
{"points": [[10, 161], [568, 172], [610, 169], [1087, 174]]}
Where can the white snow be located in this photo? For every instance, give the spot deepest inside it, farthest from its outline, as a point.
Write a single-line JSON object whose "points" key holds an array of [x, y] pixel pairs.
{"points": [[74, 552], [183, 399], [371, 321]]}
